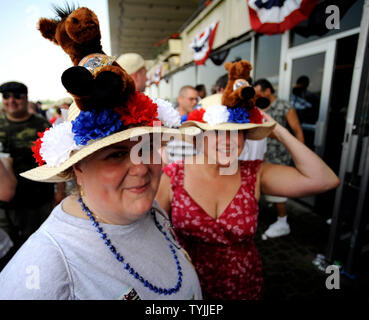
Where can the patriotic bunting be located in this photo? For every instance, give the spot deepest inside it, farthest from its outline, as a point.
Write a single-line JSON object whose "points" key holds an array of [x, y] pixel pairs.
{"points": [[278, 16], [202, 44]]}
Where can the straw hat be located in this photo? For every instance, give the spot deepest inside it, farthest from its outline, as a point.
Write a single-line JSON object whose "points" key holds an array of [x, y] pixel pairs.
{"points": [[131, 62], [58, 148], [214, 116]]}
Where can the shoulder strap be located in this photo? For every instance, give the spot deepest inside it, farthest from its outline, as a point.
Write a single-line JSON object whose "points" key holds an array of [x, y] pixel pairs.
{"points": [[175, 172], [249, 171]]}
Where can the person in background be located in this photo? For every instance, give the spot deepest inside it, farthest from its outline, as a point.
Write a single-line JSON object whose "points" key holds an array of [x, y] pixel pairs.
{"points": [[284, 114], [40, 110], [220, 84], [32, 201], [187, 100], [32, 108], [64, 106], [57, 117], [254, 149], [305, 102], [177, 149], [201, 90], [134, 65]]}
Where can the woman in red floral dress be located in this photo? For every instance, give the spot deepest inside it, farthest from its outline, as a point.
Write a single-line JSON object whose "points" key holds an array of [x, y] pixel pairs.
{"points": [[215, 215]]}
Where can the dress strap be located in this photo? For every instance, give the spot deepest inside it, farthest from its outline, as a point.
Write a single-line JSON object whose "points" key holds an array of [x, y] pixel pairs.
{"points": [[249, 171], [175, 172]]}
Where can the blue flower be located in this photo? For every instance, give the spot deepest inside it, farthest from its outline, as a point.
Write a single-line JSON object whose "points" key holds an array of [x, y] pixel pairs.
{"points": [[238, 115], [92, 125]]}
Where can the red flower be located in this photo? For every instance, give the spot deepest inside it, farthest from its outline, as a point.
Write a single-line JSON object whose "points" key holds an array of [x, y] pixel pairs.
{"points": [[36, 148], [196, 115], [140, 109], [255, 116]]}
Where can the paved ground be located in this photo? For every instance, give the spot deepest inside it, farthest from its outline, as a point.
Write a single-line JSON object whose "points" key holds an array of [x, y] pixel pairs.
{"points": [[287, 261]]}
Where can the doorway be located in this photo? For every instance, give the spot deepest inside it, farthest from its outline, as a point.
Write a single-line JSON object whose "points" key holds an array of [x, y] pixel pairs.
{"points": [[315, 64], [327, 69], [337, 115]]}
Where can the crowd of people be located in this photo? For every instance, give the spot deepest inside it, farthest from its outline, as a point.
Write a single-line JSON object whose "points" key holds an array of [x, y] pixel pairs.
{"points": [[174, 230]]}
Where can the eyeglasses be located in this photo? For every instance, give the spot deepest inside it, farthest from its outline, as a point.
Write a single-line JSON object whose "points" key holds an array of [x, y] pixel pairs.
{"points": [[7, 95], [192, 98]]}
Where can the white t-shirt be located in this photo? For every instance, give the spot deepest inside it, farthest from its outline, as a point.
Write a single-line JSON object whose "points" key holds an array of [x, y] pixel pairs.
{"points": [[67, 259], [254, 149]]}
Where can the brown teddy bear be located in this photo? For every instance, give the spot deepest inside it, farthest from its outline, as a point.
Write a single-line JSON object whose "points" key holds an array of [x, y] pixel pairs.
{"points": [[238, 92], [95, 80]]}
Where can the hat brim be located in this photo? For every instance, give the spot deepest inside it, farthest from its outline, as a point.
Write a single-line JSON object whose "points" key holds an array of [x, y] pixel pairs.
{"points": [[54, 174], [255, 131]]}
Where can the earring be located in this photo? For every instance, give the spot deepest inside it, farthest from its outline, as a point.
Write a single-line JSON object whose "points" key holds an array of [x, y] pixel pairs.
{"points": [[81, 191]]}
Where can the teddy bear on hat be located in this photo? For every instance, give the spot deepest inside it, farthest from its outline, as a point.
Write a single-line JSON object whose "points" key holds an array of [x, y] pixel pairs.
{"points": [[95, 80], [238, 92]]}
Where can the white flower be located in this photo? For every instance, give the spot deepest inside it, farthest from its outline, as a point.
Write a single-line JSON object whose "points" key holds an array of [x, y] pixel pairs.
{"points": [[216, 114], [167, 114], [57, 144]]}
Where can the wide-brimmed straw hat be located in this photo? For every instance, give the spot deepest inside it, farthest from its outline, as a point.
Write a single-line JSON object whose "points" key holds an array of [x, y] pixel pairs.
{"points": [[86, 132], [212, 115]]}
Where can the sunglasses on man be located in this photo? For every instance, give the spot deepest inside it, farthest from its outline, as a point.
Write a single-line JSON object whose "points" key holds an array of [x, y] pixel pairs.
{"points": [[16, 95]]}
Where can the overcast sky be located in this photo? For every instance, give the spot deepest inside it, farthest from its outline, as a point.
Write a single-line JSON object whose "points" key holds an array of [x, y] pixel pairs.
{"points": [[27, 57]]}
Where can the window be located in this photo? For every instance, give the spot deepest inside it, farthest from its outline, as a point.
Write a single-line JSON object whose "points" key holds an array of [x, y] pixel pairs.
{"points": [[267, 56], [351, 19]]}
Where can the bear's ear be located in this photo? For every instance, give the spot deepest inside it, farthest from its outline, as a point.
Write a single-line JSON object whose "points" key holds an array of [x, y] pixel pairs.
{"points": [[47, 28], [227, 65], [78, 81]]}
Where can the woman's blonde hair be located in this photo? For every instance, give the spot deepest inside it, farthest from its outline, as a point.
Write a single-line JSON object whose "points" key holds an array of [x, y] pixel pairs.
{"points": [[70, 175]]}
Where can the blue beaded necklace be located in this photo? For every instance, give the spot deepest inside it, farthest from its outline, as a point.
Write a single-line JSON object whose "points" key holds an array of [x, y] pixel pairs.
{"points": [[126, 265]]}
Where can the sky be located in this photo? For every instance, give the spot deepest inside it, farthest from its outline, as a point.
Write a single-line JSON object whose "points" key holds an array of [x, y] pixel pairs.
{"points": [[27, 57]]}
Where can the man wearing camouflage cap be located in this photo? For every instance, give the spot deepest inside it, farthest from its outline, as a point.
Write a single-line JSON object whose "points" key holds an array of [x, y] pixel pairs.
{"points": [[18, 129]]}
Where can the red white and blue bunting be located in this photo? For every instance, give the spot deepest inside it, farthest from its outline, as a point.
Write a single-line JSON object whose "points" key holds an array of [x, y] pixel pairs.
{"points": [[202, 44], [278, 16]]}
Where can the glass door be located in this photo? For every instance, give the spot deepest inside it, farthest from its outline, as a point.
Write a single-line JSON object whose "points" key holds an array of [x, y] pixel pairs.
{"points": [[308, 85]]}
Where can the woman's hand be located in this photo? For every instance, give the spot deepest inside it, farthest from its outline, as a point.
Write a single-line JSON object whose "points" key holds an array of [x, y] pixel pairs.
{"points": [[275, 134]]}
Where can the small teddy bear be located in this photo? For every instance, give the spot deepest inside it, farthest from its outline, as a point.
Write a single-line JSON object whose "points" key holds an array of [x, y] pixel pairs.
{"points": [[95, 80], [238, 92]]}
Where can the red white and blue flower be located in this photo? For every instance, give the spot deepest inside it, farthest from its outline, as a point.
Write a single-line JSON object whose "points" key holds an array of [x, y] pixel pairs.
{"points": [[55, 144], [218, 114]]}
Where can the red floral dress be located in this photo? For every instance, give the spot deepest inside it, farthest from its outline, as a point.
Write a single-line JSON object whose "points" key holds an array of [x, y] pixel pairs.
{"points": [[222, 250]]}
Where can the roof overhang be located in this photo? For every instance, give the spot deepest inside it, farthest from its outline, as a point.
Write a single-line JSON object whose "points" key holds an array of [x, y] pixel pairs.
{"points": [[139, 25]]}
